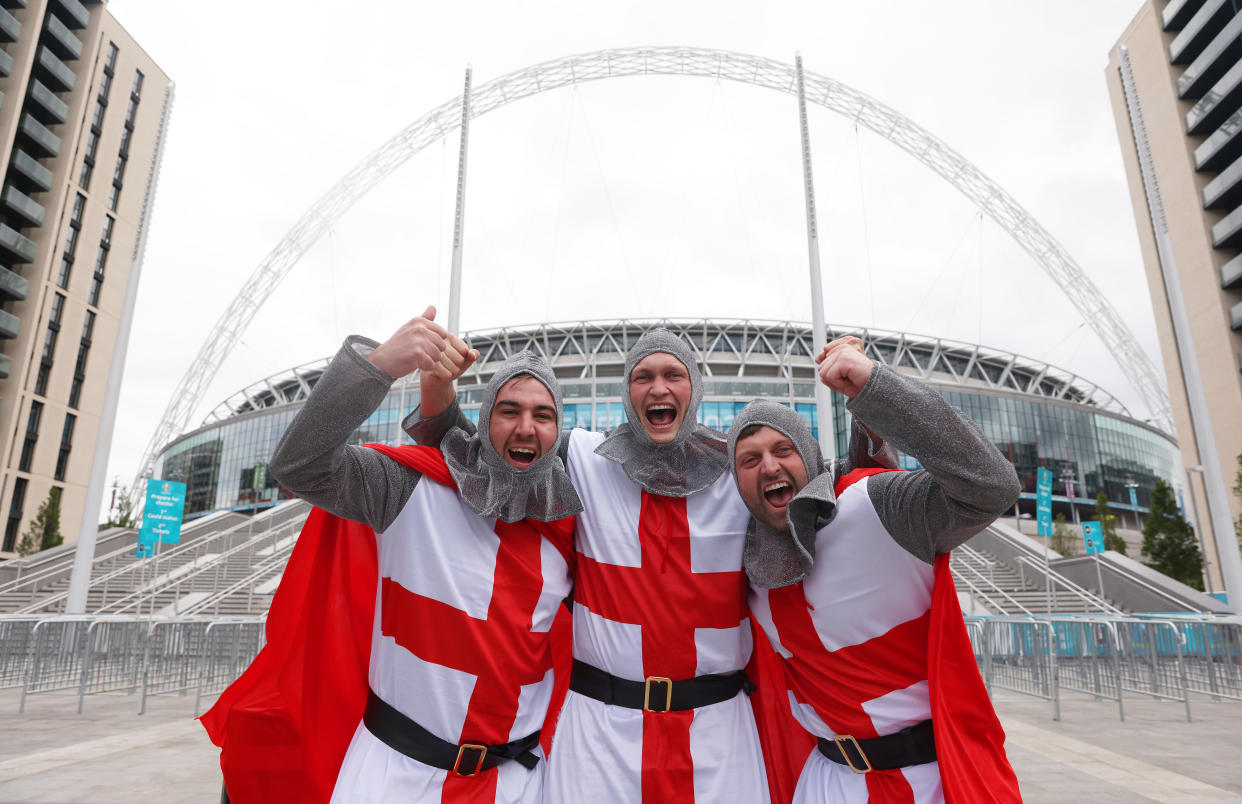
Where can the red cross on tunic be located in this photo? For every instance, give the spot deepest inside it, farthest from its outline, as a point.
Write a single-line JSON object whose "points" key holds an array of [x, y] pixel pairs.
{"points": [[501, 651], [837, 683], [669, 601]]}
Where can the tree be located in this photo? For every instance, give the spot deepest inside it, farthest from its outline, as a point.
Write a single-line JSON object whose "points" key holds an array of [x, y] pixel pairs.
{"points": [[44, 530], [122, 516], [1062, 540], [1168, 540], [1108, 525], [1237, 489]]}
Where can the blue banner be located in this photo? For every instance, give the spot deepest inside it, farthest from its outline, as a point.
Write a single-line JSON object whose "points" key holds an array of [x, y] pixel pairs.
{"points": [[1043, 501], [162, 514], [1093, 537], [1134, 496]]}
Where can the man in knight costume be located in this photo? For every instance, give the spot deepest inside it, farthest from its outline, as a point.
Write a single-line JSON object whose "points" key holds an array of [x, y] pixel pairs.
{"points": [[470, 555], [656, 710], [849, 578]]}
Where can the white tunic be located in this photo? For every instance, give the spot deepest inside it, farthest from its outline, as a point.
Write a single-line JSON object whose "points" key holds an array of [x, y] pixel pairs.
{"points": [[480, 669]]}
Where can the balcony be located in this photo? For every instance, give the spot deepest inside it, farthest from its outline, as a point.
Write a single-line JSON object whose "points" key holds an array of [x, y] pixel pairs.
{"points": [[72, 12], [1223, 52], [16, 245], [6, 64], [1200, 30], [28, 168], [6, 365], [1178, 12], [9, 325], [1231, 273], [10, 28], [1235, 317], [1221, 101], [26, 207], [1224, 191], [53, 71], [49, 109], [61, 40], [13, 286], [43, 141], [13, 3]]}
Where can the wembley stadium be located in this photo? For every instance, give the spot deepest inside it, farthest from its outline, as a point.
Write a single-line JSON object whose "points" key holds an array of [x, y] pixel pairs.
{"points": [[1035, 413]]}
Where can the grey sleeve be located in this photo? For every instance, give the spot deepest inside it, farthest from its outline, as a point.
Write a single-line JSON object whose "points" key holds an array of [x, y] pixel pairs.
{"points": [[431, 431], [965, 484], [313, 459], [866, 452]]}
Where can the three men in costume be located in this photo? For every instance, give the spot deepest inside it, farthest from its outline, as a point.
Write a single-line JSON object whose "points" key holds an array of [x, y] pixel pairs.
{"points": [[472, 547], [850, 581]]}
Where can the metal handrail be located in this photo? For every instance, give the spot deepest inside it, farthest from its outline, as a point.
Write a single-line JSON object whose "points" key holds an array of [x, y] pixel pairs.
{"points": [[996, 588], [260, 571], [1082, 592]]}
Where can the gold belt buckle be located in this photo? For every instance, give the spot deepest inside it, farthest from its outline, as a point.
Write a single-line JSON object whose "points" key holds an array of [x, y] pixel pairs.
{"points": [[840, 742], [668, 695], [478, 766]]}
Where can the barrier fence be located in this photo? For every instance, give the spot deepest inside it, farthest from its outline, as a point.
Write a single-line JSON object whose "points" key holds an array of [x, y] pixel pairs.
{"points": [[1166, 657], [140, 656]]}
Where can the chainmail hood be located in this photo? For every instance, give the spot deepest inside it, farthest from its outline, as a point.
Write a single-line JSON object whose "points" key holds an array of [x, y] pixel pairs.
{"points": [[693, 460], [492, 487], [774, 558]]}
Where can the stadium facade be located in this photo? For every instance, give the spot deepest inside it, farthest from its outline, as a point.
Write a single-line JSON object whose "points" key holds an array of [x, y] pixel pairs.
{"points": [[1035, 413]]}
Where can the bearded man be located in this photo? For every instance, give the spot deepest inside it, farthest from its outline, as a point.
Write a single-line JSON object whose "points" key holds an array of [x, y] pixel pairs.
{"points": [[849, 578], [470, 564]]}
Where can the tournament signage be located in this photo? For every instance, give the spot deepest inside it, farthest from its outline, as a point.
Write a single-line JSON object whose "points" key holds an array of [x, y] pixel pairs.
{"points": [[1134, 496], [161, 518], [1043, 501], [1093, 537]]}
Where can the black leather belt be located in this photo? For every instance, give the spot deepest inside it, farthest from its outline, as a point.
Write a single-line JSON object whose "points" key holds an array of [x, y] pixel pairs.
{"points": [[401, 734], [656, 694], [913, 745]]}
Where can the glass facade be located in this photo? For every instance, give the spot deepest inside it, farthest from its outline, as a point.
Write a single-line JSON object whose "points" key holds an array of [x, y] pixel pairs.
{"points": [[224, 464]]}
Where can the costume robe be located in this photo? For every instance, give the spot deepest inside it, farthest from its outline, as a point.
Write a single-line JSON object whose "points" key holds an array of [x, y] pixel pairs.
{"points": [[450, 618]]}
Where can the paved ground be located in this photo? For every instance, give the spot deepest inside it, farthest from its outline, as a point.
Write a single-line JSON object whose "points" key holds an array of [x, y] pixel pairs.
{"points": [[52, 755]]}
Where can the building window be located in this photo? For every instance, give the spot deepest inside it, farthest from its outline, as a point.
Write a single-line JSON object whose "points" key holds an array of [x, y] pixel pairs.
{"points": [[110, 60], [15, 514], [105, 237], [66, 446], [101, 259], [32, 436], [113, 195], [136, 91]]}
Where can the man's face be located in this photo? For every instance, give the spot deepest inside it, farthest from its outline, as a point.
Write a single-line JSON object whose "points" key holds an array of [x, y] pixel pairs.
{"points": [[770, 472], [524, 424], [660, 393]]}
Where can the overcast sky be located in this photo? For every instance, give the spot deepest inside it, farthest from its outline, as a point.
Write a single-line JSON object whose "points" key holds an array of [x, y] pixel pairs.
{"points": [[639, 198]]}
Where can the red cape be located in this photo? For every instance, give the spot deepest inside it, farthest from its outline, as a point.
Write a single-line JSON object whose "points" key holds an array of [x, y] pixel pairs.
{"points": [[284, 726]]}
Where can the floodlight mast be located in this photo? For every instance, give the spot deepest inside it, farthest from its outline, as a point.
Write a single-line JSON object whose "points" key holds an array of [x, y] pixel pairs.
{"points": [[990, 197], [819, 329], [459, 218]]}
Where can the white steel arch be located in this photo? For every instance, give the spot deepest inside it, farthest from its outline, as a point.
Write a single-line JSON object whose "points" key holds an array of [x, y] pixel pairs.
{"points": [[619, 63]]}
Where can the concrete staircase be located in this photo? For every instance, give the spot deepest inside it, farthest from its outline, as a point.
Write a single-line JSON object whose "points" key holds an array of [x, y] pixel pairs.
{"points": [[998, 587]]}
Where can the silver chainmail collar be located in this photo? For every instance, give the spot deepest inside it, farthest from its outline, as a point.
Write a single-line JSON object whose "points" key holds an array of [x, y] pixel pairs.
{"points": [[774, 558], [692, 461], [489, 485]]}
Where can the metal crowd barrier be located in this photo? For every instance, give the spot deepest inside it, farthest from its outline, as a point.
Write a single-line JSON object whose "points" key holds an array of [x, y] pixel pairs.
{"points": [[131, 655], [1166, 657]]}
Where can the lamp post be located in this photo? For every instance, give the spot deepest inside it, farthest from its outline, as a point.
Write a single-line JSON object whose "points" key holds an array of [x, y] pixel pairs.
{"points": [[1194, 506]]}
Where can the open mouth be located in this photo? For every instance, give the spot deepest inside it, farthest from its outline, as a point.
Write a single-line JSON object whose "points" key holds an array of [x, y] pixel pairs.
{"points": [[778, 494], [520, 456], [661, 416]]}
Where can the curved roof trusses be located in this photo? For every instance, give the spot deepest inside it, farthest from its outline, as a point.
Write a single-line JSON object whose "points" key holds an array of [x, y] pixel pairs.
{"points": [[988, 196]]}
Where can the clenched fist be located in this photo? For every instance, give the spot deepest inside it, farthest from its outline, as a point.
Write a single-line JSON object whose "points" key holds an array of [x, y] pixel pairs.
{"points": [[423, 344], [844, 367]]}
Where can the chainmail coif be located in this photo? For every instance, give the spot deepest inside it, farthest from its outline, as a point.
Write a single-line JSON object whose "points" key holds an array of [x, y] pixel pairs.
{"points": [[693, 460], [774, 558], [492, 487]]}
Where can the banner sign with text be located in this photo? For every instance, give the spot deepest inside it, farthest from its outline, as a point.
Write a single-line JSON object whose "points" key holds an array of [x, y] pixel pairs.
{"points": [[1043, 501], [1093, 537], [161, 517]]}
